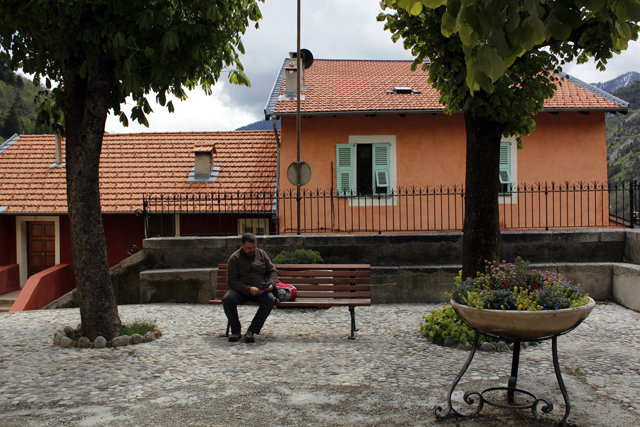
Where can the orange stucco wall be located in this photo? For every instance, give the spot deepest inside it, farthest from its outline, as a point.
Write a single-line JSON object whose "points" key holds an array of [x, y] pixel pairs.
{"points": [[565, 147], [430, 151], [430, 148]]}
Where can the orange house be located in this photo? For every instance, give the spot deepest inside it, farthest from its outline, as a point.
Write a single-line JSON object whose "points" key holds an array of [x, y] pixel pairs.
{"points": [[384, 156]]}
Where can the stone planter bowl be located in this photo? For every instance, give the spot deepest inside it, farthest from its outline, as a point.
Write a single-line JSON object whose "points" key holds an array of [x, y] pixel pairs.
{"points": [[523, 325]]}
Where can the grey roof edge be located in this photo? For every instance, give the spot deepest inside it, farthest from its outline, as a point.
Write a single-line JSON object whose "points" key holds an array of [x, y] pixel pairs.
{"points": [[3, 208], [9, 142], [599, 92], [270, 107]]}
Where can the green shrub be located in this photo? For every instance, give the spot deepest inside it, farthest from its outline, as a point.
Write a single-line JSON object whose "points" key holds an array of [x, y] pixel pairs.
{"points": [[299, 256], [446, 323], [140, 327]]}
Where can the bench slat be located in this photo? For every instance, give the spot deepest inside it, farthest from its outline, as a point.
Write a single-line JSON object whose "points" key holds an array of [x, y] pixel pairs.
{"points": [[302, 267], [310, 294], [300, 288], [321, 281], [315, 302], [323, 273]]}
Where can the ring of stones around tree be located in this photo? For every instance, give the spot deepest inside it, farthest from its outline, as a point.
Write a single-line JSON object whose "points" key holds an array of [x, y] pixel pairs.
{"points": [[70, 337]]}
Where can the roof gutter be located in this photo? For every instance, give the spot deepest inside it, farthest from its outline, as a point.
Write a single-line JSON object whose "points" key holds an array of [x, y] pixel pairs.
{"points": [[274, 214], [623, 110]]}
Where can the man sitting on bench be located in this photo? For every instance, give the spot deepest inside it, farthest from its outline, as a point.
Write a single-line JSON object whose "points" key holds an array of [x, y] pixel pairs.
{"points": [[251, 276]]}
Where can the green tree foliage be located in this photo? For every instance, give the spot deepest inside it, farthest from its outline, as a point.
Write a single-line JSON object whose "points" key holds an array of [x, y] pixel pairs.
{"points": [[100, 52], [299, 256], [494, 60], [494, 33]]}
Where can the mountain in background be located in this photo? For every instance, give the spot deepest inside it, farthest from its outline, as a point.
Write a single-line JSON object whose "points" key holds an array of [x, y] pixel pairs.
{"points": [[623, 136], [260, 125], [619, 82], [17, 109]]}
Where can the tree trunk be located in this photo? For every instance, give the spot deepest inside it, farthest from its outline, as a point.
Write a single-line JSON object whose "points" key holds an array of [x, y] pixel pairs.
{"points": [[481, 232], [86, 103]]}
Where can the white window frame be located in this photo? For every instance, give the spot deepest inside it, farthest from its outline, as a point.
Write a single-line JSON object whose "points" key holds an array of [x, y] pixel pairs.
{"points": [[511, 199], [393, 179]]}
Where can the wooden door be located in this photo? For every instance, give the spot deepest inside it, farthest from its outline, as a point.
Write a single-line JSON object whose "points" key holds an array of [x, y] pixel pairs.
{"points": [[41, 246]]}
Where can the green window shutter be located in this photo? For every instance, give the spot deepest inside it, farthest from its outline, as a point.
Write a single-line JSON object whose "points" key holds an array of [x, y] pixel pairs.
{"points": [[505, 163], [381, 167], [345, 159]]}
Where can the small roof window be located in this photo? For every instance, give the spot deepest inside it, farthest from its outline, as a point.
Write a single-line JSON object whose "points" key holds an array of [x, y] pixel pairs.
{"points": [[403, 90]]}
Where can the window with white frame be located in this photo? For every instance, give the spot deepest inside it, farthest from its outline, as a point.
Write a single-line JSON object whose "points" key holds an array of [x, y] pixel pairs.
{"points": [[508, 166], [365, 166]]}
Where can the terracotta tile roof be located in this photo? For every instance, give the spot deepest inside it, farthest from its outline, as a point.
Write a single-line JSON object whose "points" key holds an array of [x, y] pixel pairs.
{"points": [[132, 165], [342, 86]]}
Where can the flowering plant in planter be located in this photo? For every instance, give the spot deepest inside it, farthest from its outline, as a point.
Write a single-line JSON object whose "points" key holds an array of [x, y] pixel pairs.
{"points": [[517, 287]]}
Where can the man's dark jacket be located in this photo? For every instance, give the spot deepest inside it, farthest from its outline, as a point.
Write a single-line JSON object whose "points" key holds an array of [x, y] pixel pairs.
{"points": [[244, 271]]}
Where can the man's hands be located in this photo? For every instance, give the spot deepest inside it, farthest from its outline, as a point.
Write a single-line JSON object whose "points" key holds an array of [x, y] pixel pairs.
{"points": [[256, 291]]}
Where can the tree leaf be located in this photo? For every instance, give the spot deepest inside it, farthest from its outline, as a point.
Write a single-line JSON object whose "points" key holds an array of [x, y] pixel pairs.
{"points": [[490, 63], [627, 10], [434, 4], [624, 30], [533, 32], [484, 81], [414, 7], [560, 31], [467, 35], [569, 17], [448, 24]]}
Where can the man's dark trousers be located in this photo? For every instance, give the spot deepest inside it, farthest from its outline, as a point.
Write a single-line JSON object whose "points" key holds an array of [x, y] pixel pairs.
{"points": [[233, 298]]}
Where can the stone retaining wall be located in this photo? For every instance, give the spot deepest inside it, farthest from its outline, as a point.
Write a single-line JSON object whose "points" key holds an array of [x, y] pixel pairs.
{"points": [[405, 267]]}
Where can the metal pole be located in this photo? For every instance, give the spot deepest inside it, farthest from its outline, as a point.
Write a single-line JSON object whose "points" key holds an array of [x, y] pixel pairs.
{"points": [[298, 69]]}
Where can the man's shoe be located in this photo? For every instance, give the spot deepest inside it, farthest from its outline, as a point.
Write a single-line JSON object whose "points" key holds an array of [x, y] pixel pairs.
{"points": [[234, 337], [248, 337]]}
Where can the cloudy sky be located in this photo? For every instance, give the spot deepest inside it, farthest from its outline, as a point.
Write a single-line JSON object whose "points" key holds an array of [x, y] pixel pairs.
{"points": [[330, 29]]}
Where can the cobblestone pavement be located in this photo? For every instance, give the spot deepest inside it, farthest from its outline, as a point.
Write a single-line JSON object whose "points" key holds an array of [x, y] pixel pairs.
{"points": [[302, 370]]}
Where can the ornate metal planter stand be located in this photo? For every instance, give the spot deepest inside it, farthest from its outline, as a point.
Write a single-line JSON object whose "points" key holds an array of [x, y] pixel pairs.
{"points": [[470, 397]]}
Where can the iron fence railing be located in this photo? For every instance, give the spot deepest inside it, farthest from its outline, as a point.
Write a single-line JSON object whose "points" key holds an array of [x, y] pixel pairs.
{"points": [[547, 205]]}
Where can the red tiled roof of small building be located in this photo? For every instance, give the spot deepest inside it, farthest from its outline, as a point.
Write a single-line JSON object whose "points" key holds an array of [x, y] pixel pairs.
{"points": [[132, 165], [342, 86]]}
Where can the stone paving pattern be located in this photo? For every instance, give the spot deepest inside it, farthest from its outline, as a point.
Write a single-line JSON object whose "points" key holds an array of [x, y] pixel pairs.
{"points": [[307, 346]]}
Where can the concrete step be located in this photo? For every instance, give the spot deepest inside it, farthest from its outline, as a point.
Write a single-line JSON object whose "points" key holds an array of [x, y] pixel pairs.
{"points": [[7, 300]]}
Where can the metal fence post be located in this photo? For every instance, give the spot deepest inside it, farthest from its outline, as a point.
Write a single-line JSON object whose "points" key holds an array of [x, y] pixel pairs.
{"points": [[632, 187]]}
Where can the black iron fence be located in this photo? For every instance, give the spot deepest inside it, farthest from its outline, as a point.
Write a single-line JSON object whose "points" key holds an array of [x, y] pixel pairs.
{"points": [[414, 209]]}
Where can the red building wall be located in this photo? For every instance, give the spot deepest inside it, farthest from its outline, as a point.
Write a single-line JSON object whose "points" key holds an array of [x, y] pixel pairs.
{"points": [[7, 239], [117, 230]]}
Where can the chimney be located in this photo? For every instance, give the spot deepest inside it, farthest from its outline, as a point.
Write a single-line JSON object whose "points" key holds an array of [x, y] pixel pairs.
{"points": [[204, 163], [58, 150], [58, 163], [291, 77]]}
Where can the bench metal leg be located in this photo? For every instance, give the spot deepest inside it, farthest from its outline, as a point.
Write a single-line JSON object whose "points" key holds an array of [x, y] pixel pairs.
{"points": [[226, 334], [353, 322]]}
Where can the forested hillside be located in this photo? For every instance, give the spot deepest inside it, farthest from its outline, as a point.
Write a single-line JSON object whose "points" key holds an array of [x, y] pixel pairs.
{"points": [[17, 109], [623, 137]]}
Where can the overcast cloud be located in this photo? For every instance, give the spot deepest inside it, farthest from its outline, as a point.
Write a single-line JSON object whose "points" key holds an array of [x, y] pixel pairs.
{"points": [[330, 29]]}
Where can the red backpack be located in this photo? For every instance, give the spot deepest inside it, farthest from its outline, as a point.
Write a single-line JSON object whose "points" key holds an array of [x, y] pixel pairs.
{"points": [[284, 292]]}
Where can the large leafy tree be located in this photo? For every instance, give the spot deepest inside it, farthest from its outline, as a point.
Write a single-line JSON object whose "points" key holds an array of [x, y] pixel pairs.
{"points": [[99, 53], [497, 61]]}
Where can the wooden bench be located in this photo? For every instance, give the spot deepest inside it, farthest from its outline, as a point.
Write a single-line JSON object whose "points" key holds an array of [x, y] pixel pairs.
{"points": [[318, 285]]}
